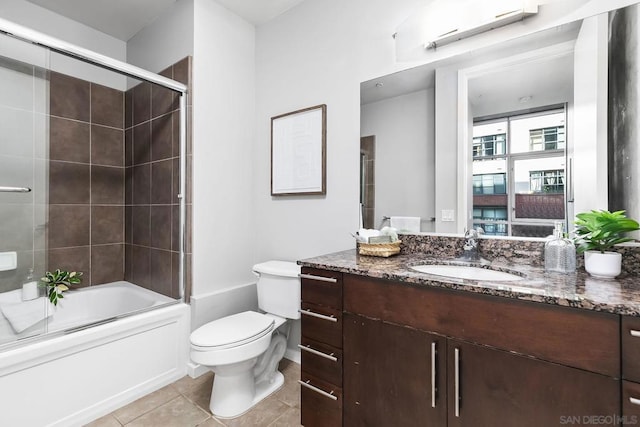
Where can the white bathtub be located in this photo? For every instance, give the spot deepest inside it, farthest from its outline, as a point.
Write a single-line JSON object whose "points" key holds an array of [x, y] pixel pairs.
{"points": [[67, 379]]}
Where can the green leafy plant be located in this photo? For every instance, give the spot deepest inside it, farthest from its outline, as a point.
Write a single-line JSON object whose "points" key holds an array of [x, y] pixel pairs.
{"points": [[58, 282], [601, 230]]}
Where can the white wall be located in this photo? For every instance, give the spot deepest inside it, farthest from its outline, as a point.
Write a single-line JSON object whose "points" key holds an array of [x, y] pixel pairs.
{"points": [[590, 116], [403, 127], [223, 132], [47, 22], [166, 41], [318, 53]]}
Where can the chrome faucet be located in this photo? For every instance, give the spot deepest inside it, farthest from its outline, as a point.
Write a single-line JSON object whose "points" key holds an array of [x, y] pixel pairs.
{"points": [[470, 251]]}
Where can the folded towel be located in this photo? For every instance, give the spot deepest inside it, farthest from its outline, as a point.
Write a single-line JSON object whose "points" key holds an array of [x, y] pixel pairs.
{"points": [[24, 314], [406, 224]]}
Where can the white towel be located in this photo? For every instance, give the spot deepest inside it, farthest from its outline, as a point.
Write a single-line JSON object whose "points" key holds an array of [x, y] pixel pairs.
{"points": [[406, 224], [24, 314]]}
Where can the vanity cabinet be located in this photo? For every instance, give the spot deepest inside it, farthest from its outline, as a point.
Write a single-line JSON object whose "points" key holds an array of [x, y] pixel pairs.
{"points": [[425, 356], [630, 332], [321, 348], [489, 386], [394, 375]]}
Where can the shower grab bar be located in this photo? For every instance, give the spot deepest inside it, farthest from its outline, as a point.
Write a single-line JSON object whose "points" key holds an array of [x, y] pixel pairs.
{"points": [[15, 189]]}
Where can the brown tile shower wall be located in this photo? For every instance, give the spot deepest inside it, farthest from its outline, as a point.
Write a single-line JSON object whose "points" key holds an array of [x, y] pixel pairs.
{"points": [[152, 125], [86, 179], [113, 182]]}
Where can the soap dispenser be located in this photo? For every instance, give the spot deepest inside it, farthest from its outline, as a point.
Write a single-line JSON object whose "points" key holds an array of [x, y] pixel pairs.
{"points": [[559, 252], [29, 287]]}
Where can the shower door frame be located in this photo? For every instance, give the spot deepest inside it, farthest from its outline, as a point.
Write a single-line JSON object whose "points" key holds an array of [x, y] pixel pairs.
{"points": [[85, 55]]}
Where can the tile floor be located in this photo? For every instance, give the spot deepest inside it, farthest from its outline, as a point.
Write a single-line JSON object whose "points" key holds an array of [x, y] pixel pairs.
{"points": [[185, 403]]}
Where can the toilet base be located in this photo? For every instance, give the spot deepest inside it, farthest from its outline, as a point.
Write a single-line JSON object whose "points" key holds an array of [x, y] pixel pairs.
{"points": [[263, 389]]}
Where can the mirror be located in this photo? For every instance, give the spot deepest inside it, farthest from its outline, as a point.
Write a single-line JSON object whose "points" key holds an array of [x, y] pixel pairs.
{"points": [[417, 129]]}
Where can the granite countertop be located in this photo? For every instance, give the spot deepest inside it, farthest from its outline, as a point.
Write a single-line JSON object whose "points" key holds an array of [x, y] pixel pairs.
{"points": [[580, 290]]}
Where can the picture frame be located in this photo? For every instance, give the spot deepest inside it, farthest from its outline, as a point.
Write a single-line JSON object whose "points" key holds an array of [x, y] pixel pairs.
{"points": [[298, 152]]}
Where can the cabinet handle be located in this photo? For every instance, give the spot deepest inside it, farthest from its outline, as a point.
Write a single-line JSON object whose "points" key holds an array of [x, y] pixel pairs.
{"points": [[433, 374], [306, 384], [318, 353], [308, 312], [318, 278], [634, 333], [456, 384], [634, 401]]}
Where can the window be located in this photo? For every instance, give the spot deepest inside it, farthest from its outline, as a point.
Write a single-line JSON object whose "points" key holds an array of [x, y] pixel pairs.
{"points": [[492, 220], [489, 145], [551, 138], [549, 181], [489, 184], [518, 168]]}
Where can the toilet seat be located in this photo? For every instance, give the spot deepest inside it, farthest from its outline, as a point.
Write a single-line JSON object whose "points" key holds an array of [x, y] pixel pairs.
{"points": [[232, 331]]}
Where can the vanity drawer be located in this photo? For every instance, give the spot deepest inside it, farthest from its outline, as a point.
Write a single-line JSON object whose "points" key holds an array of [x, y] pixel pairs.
{"points": [[321, 287], [320, 402], [323, 324], [631, 348], [574, 337], [630, 399], [321, 360]]}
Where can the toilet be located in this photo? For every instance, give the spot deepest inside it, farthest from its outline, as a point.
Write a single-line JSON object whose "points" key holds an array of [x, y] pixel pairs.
{"points": [[244, 349]]}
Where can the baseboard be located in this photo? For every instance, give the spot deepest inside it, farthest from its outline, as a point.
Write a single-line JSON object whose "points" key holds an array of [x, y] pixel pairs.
{"points": [[195, 370], [293, 355]]}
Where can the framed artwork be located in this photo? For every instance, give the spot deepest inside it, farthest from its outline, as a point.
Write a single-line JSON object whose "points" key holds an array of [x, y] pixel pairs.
{"points": [[298, 152]]}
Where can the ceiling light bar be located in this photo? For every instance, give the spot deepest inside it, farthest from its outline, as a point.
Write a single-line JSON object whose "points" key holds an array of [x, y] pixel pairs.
{"points": [[499, 21]]}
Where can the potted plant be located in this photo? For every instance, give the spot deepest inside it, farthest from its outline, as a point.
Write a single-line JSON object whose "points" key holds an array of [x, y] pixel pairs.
{"points": [[596, 233], [58, 282]]}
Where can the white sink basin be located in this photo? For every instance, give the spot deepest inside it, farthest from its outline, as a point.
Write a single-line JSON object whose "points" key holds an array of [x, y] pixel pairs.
{"points": [[466, 272]]}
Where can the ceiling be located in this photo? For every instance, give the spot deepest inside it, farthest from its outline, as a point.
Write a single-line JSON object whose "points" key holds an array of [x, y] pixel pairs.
{"points": [[123, 19]]}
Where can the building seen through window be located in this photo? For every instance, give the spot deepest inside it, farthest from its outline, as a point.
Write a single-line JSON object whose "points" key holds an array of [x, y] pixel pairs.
{"points": [[519, 173]]}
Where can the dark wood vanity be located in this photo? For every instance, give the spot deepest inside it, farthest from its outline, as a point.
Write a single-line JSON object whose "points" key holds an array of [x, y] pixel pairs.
{"points": [[382, 351]]}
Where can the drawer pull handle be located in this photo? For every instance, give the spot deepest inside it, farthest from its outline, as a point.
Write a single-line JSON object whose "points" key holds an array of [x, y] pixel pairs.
{"points": [[317, 390], [308, 312], [634, 401], [456, 384], [634, 333], [433, 374], [318, 278], [318, 353]]}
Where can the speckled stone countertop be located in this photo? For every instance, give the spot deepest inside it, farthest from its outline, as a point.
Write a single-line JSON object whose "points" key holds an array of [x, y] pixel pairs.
{"points": [[619, 296]]}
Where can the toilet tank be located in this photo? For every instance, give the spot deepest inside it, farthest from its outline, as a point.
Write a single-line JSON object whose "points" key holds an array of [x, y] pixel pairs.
{"points": [[279, 288]]}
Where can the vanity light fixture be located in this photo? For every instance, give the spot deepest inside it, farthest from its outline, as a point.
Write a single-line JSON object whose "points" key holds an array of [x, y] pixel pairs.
{"points": [[500, 18]]}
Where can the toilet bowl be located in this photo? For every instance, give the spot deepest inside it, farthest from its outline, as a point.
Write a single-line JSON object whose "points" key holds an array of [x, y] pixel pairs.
{"points": [[244, 349]]}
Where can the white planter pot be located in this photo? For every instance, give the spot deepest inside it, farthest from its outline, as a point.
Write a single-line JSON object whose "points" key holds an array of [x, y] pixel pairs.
{"points": [[603, 265]]}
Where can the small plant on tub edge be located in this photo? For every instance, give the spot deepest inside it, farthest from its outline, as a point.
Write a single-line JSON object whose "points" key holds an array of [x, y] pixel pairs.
{"points": [[59, 281], [601, 230]]}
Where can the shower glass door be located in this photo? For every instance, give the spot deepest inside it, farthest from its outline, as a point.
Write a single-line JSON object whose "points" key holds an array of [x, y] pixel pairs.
{"points": [[24, 175]]}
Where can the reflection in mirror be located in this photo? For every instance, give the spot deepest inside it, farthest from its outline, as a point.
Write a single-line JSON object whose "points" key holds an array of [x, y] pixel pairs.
{"points": [[519, 173], [433, 141]]}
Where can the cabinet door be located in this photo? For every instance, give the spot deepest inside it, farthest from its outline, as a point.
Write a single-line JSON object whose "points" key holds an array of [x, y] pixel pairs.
{"points": [[390, 377], [490, 387]]}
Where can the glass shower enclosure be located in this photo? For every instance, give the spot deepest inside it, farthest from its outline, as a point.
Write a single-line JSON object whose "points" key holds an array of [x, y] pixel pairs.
{"points": [[92, 175]]}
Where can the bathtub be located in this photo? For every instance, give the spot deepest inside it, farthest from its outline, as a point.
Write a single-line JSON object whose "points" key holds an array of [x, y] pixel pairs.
{"points": [[136, 342]]}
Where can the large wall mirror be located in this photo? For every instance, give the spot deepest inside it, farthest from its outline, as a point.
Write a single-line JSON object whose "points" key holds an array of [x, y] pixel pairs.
{"points": [[510, 138]]}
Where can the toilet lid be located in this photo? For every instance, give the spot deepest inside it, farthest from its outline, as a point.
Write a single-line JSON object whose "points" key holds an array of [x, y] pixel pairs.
{"points": [[233, 330]]}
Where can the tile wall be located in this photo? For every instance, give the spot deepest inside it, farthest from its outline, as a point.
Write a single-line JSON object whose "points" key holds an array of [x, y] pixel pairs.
{"points": [[86, 179], [110, 162], [152, 124]]}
